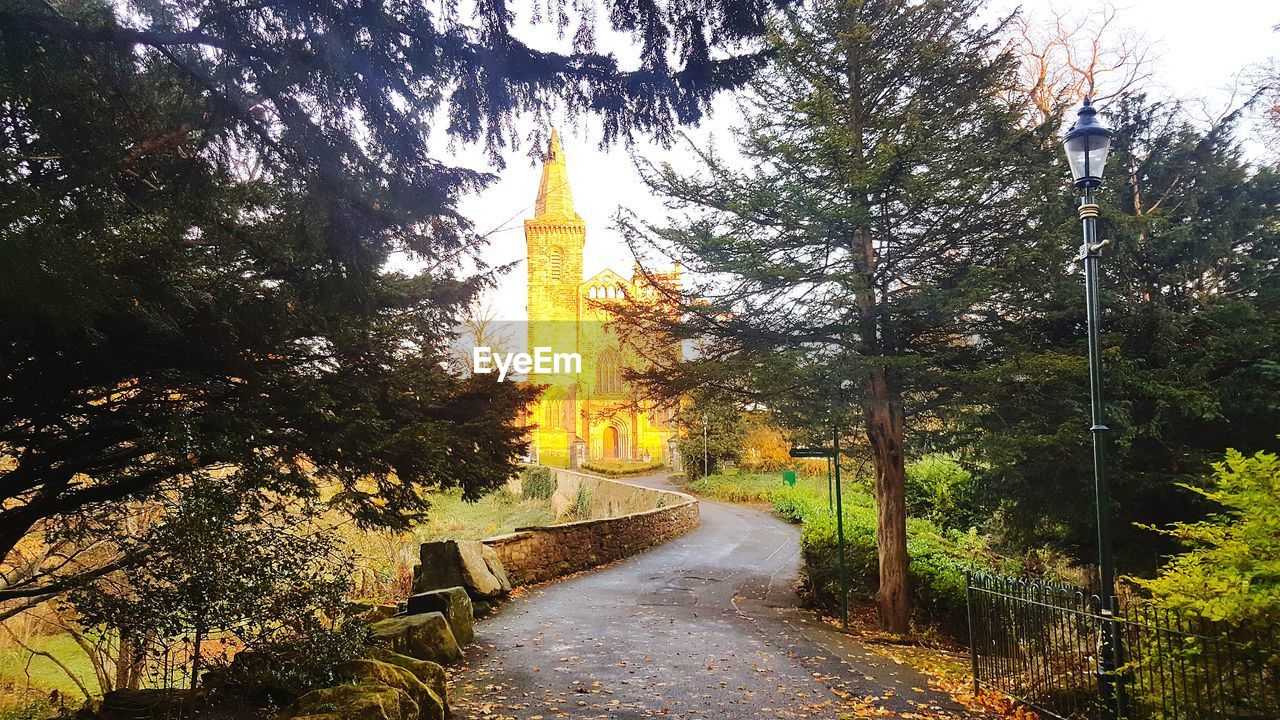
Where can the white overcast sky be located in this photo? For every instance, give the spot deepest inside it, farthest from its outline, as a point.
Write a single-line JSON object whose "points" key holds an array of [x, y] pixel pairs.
{"points": [[1199, 48]]}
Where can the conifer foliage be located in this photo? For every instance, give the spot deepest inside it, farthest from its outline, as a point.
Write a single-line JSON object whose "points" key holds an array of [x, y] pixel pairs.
{"points": [[198, 202], [845, 267]]}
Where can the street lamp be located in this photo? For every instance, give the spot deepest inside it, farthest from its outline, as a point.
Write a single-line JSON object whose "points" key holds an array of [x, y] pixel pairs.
{"points": [[704, 444], [1087, 144]]}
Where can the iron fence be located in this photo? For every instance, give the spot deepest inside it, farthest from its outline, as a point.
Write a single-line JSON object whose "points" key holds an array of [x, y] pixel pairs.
{"points": [[1041, 643]]}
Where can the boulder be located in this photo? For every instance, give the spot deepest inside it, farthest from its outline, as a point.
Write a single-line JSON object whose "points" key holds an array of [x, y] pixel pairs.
{"points": [[376, 672], [465, 563], [482, 608], [428, 672], [142, 704], [454, 603], [476, 575], [494, 563], [426, 637], [354, 702], [371, 611], [438, 566]]}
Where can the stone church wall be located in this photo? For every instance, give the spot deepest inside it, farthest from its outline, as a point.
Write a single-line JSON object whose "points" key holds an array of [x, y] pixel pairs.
{"points": [[634, 519]]}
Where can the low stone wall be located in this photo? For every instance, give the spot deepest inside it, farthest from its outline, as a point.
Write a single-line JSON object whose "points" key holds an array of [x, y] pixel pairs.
{"points": [[536, 554]]}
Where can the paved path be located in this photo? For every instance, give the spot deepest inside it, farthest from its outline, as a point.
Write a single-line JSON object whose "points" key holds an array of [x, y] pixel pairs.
{"points": [[703, 626]]}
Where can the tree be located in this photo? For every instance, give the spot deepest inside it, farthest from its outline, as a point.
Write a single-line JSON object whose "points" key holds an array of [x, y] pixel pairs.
{"points": [[841, 270], [200, 199], [219, 567], [712, 429], [1064, 59], [1190, 319]]}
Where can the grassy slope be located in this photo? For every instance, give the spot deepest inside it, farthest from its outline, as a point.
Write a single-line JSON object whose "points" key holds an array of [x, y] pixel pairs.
{"points": [[497, 513], [22, 674]]}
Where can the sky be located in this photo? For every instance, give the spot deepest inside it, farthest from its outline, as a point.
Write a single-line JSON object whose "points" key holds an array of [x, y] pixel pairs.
{"points": [[1198, 49]]}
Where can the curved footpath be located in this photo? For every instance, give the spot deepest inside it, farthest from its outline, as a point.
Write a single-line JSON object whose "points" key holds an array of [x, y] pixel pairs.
{"points": [[703, 626]]}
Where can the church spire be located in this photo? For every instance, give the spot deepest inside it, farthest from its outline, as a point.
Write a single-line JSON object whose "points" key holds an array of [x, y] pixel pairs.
{"points": [[554, 195]]}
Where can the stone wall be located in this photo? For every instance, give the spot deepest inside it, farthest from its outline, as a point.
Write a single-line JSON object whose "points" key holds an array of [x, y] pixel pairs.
{"points": [[536, 554]]}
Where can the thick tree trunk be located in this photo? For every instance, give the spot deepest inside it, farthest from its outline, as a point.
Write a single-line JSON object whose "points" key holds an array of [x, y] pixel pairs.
{"points": [[883, 414]]}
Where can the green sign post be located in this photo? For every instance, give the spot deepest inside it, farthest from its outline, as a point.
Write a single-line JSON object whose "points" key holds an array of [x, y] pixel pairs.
{"points": [[833, 457], [789, 477]]}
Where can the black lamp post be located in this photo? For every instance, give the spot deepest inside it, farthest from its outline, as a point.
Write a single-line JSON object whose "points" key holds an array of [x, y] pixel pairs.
{"points": [[704, 444], [1087, 145]]}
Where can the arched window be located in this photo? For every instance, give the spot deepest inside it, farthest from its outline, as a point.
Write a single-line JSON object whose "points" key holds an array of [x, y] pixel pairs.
{"points": [[609, 372], [592, 294], [556, 265], [553, 409]]}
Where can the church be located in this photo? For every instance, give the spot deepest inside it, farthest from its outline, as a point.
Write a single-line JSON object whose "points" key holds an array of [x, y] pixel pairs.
{"points": [[591, 414]]}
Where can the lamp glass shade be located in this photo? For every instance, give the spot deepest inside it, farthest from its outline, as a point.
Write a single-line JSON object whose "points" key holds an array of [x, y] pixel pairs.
{"points": [[1087, 155]]}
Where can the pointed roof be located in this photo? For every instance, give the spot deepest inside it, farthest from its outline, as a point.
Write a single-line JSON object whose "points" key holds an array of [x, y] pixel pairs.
{"points": [[554, 196]]}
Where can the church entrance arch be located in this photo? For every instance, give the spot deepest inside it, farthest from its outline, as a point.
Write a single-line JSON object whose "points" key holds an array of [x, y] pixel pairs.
{"points": [[612, 443]]}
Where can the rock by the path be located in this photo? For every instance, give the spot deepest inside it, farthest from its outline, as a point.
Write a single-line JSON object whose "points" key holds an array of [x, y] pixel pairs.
{"points": [[428, 672], [454, 603], [482, 608], [438, 566], [142, 704], [376, 672], [426, 637], [465, 563], [372, 612], [354, 702], [494, 563], [475, 570]]}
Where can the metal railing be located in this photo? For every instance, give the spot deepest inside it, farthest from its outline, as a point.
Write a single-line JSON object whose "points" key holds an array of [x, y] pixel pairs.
{"points": [[1040, 642]]}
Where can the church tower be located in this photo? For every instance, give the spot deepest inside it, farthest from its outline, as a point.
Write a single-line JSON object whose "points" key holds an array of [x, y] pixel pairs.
{"points": [[554, 237]]}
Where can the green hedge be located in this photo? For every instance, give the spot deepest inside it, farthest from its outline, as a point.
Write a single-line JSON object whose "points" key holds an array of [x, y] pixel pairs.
{"points": [[939, 559], [537, 483], [621, 468]]}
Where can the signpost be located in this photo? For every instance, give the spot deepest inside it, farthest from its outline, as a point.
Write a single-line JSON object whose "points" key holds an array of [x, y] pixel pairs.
{"points": [[833, 457], [812, 452]]}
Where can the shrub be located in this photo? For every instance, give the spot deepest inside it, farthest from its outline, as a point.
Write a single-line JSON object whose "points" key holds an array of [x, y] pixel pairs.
{"points": [[1230, 572], [621, 468], [939, 489], [765, 448], [554, 459], [222, 574], [537, 483], [34, 710], [939, 560], [582, 503], [278, 671], [795, 503]]}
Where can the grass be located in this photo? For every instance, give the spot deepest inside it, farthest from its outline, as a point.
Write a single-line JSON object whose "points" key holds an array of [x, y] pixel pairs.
{"points": [[621, 468], [23, 675], [755, 487], [500, 512]]}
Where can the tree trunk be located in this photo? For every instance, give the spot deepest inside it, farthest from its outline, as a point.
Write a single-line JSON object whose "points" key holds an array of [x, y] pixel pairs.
{"points": [[128, 659], [196, 658], [883, 414]]}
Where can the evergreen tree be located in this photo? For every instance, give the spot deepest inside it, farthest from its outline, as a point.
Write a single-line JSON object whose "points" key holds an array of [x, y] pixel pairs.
{"points": [[197, 204], [843, 268], [1191, 337], [712, 432]]}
